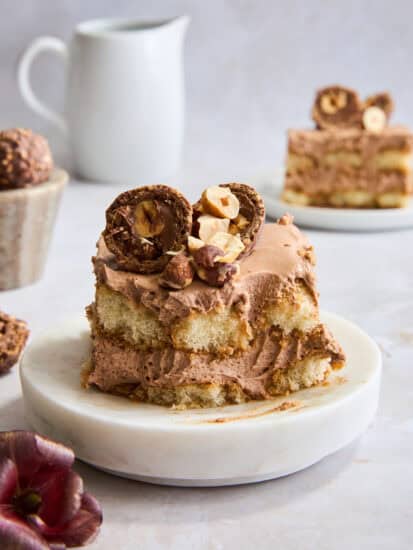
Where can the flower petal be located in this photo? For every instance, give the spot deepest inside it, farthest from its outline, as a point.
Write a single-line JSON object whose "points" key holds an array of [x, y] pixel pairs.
{"points": [[61, 494], [14, 533], [56, 455], [82, 530], [8, 480], [91, 505], [30, 452]]}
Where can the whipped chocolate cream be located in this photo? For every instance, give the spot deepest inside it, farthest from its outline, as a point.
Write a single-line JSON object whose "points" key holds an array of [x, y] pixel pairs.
{"points": [[316, 144], [327, 181], [280, 260], [252, 370]]}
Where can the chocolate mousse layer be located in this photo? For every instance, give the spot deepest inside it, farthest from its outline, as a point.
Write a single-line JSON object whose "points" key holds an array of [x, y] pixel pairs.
{"points": [[317, 143], [116, 365], [327, 181]]}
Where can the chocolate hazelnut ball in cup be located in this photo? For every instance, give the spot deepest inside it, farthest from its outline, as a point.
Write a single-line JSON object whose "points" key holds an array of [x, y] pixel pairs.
{"points": [[30, 191]]}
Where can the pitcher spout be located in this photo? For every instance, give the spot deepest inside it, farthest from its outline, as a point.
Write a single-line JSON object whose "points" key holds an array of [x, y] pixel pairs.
{"points": [[180, 24]]}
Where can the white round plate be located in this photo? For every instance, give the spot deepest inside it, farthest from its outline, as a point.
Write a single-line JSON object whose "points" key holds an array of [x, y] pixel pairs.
{"points": [[200, 447], [338, 219]]}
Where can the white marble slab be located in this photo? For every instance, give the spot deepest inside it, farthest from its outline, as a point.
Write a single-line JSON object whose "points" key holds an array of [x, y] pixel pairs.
{"points": [[359, 498], [233, 445]]}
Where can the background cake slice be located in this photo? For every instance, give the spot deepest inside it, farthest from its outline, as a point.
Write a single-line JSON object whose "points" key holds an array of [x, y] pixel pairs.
{"points": [[254, 334], [353, 158]]}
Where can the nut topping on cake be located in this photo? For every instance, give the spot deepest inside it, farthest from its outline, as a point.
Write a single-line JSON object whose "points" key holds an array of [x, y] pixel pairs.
{"points": [[238, 224], [25, 159], [235, 234], [148, 230], [250, 219], [178, 273], [210, 269], [337, 107], [231, 245], [374, 119], [13, 337], [383, 101], [219, 274], [207, 256], [221, 202], [194, 244], [286, 219], [208, 226], [211, 266], [148, 219], [331, 103], [143, 224]]}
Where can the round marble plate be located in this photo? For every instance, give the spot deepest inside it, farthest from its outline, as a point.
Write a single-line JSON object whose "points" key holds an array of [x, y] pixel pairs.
{"points": [[337, 219], [203, 447]]}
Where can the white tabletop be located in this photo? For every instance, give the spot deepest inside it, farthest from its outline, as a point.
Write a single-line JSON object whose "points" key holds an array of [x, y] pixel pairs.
{"points": [[359, 498]]}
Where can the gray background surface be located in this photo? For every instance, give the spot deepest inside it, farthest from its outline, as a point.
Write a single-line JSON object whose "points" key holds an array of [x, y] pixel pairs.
{"points": [[251, 66]]}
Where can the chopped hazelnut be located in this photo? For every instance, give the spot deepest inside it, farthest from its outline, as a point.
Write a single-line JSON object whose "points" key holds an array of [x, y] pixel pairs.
{"points": [[238, 224], [374, 119], [286, 219], [220, 202], [194, 244], [209, 225], [230, 244]]}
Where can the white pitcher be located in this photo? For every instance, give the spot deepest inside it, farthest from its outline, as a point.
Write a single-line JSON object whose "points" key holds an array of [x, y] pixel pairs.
{"points": [[124, 100]]}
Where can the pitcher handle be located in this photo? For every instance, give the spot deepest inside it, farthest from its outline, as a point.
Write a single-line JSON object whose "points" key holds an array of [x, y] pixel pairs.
{"points": [[39, 45]]}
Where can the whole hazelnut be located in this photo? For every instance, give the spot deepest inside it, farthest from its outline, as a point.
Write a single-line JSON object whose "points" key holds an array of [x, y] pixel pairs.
{"points": [[178, 273], [219, 274], [209, 226], [148, 219], [207, 255]]}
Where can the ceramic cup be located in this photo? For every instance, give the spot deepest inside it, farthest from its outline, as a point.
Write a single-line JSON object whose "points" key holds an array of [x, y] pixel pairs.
{"points": [[27, 218], [124, 97]]}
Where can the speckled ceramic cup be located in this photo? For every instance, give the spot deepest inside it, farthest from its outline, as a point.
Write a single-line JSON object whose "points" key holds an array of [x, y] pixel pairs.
{"points": [[27, 219]]}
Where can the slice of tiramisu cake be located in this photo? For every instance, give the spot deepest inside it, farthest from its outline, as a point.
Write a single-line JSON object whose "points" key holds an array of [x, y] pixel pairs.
{"points": [[204, 306], [353, 158]]}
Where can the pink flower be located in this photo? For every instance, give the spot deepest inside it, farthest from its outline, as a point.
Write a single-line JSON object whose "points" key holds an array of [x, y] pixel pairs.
{"points": [[42, 502]]}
